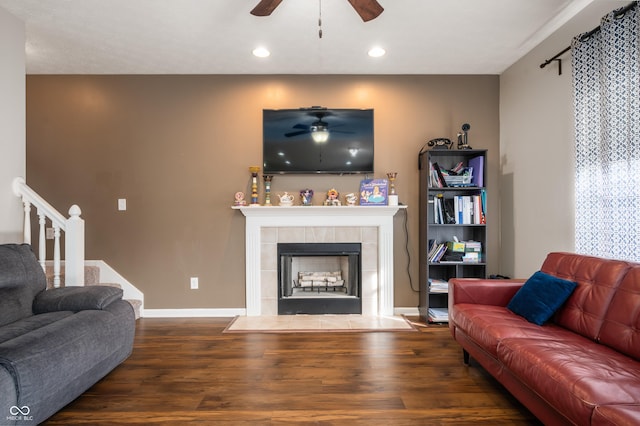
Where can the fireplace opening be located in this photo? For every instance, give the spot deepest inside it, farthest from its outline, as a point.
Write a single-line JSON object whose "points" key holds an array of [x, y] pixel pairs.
{"points": [[319, 278]]}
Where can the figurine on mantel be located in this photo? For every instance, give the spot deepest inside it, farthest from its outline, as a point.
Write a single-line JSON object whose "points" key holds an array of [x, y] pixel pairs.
{"points": [[306, 196], [239, 199], [351, 199], [286, 199], [332, 198]]}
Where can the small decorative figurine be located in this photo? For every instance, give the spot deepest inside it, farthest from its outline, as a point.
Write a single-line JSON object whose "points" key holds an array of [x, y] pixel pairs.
{"points": [[332, 198], [351, 199], [254, 185], [239, 199], [286, 199], [267, 189], [305, 197]]}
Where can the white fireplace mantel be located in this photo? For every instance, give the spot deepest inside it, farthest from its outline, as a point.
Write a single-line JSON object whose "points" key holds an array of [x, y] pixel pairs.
{"points": [[258, 217]]}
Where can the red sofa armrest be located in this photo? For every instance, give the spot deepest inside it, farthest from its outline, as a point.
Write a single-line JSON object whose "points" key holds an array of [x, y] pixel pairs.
{"points": [[482, 291]]}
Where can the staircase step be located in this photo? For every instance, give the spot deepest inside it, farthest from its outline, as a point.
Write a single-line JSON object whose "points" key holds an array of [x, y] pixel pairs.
{"points": [[137, 304], [91, 275], [116, 285]]}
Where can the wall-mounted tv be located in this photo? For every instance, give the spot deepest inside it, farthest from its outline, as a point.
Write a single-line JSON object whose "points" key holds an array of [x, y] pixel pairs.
{"points": [[317, 140]]}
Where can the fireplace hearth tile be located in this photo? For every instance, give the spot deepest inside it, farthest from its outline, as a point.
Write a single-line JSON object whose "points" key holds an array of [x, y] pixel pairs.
{"points": [[318, 323]]}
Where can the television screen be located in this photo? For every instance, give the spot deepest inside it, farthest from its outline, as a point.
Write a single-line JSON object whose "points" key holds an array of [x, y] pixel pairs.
{"points": [[317, 140]]}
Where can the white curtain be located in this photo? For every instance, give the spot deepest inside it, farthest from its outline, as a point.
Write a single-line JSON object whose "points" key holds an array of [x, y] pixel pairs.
{"points": [[606, 82]]}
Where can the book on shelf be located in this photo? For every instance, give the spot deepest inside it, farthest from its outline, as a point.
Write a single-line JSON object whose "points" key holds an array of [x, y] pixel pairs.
{"points": [[477, 163], [443, 212], [440, 177], [438, 253], [471, 257], [438, 314], [470, 209], [437, 285]]}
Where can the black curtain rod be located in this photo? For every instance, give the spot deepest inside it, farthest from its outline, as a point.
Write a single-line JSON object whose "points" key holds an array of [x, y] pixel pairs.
{"points": [[617, 14]]}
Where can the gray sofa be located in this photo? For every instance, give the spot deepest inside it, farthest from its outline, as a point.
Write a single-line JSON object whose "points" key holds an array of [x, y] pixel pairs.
{"points": [[56, 343]]}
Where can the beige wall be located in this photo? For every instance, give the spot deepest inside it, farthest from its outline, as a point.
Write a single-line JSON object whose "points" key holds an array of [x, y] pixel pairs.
{"points": [[178, 147], [537, 150], [12, 124]]}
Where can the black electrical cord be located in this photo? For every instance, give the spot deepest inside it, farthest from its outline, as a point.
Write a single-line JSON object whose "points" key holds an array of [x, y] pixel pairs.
{"points": [[406, 248]]}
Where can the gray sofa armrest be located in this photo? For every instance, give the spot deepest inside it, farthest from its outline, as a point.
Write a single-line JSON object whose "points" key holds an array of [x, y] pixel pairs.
{"points": [[75, 298]]}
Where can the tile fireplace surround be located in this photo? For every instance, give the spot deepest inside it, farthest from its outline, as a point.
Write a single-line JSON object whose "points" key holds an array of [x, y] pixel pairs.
{"points": [[370, 225]]}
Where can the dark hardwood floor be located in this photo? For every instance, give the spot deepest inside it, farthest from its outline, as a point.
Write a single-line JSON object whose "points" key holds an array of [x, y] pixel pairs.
{"points": [[187, 371]]}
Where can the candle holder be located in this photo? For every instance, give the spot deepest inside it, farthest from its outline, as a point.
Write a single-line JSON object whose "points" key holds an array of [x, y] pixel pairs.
{"points": [[393, 197], [267, 189], [254, 185]]}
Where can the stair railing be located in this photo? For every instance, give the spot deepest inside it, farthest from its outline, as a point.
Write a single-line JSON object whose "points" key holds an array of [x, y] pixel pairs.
{"points": [[73, 227]]}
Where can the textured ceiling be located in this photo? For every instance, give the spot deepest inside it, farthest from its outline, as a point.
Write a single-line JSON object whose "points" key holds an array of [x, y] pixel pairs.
{"points": [[217, 36]]}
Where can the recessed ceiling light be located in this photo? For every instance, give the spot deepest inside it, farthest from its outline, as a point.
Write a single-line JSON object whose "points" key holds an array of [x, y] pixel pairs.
{"points": [[261, 52], [377, 52]]}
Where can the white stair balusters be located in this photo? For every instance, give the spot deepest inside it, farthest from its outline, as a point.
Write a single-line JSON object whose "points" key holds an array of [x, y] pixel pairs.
{"points": [[73, 227]]}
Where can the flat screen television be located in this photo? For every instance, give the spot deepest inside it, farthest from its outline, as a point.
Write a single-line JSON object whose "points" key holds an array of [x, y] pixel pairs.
{"points": [[317, 140]]}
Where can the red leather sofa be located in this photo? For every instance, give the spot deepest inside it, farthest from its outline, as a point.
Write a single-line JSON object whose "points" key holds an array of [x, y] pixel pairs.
{"points": [[581, 367]]}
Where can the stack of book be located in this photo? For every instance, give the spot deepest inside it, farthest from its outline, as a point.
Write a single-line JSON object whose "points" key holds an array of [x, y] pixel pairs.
{"points": [[438, 286], [473, 252], [438, 315], [436, 251]]}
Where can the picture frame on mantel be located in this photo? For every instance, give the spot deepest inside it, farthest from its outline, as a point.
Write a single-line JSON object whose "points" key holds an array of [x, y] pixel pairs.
{"points": [[374, 192]]}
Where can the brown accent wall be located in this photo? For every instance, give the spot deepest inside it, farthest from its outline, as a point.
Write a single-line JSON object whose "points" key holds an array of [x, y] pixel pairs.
{"points": [[178, 148]]}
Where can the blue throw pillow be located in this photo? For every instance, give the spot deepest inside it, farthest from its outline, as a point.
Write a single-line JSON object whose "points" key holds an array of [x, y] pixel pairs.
{"points": [[540, 296]]}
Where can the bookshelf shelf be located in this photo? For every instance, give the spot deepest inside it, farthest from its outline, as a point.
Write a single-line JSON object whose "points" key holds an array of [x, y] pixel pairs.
{"points": [[450, 214]]}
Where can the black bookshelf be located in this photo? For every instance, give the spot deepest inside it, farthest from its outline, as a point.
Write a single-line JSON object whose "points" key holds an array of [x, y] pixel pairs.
{"points": [[436, 224]]}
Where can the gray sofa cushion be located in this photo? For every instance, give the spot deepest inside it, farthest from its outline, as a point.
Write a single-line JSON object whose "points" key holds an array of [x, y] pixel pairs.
{"points": [[76, 298], [21, 279], [25, 325], [54, 364]]}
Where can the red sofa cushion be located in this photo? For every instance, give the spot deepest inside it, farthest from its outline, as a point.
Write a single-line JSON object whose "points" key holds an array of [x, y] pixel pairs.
{"points": [[621, 327], [489, 325], [572, 373], [616, 415], [597, 280]]}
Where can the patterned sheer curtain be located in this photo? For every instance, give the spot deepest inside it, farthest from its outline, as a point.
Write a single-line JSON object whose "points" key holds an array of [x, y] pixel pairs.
{"points": [[606, 82]]}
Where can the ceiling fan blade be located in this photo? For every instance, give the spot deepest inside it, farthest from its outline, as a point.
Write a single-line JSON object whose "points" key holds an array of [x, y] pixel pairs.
{"points": [[367, 9], [265, 7], [301, 132]]}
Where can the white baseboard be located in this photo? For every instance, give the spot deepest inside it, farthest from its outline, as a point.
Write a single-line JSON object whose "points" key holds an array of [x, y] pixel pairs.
{"points": [[225, 312], [406, 311], [193, 313]]}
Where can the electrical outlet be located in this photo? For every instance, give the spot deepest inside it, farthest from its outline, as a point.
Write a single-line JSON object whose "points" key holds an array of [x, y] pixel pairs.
{"points": [[194, 283], [49, 233], [122, 204]]}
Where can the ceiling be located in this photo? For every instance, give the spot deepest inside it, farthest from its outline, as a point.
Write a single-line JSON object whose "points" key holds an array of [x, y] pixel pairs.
{"points": [[217, 36]]}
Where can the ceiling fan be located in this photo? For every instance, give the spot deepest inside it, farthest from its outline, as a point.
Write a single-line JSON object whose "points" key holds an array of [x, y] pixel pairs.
{"points": [[367, 9], [319, 129]]}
